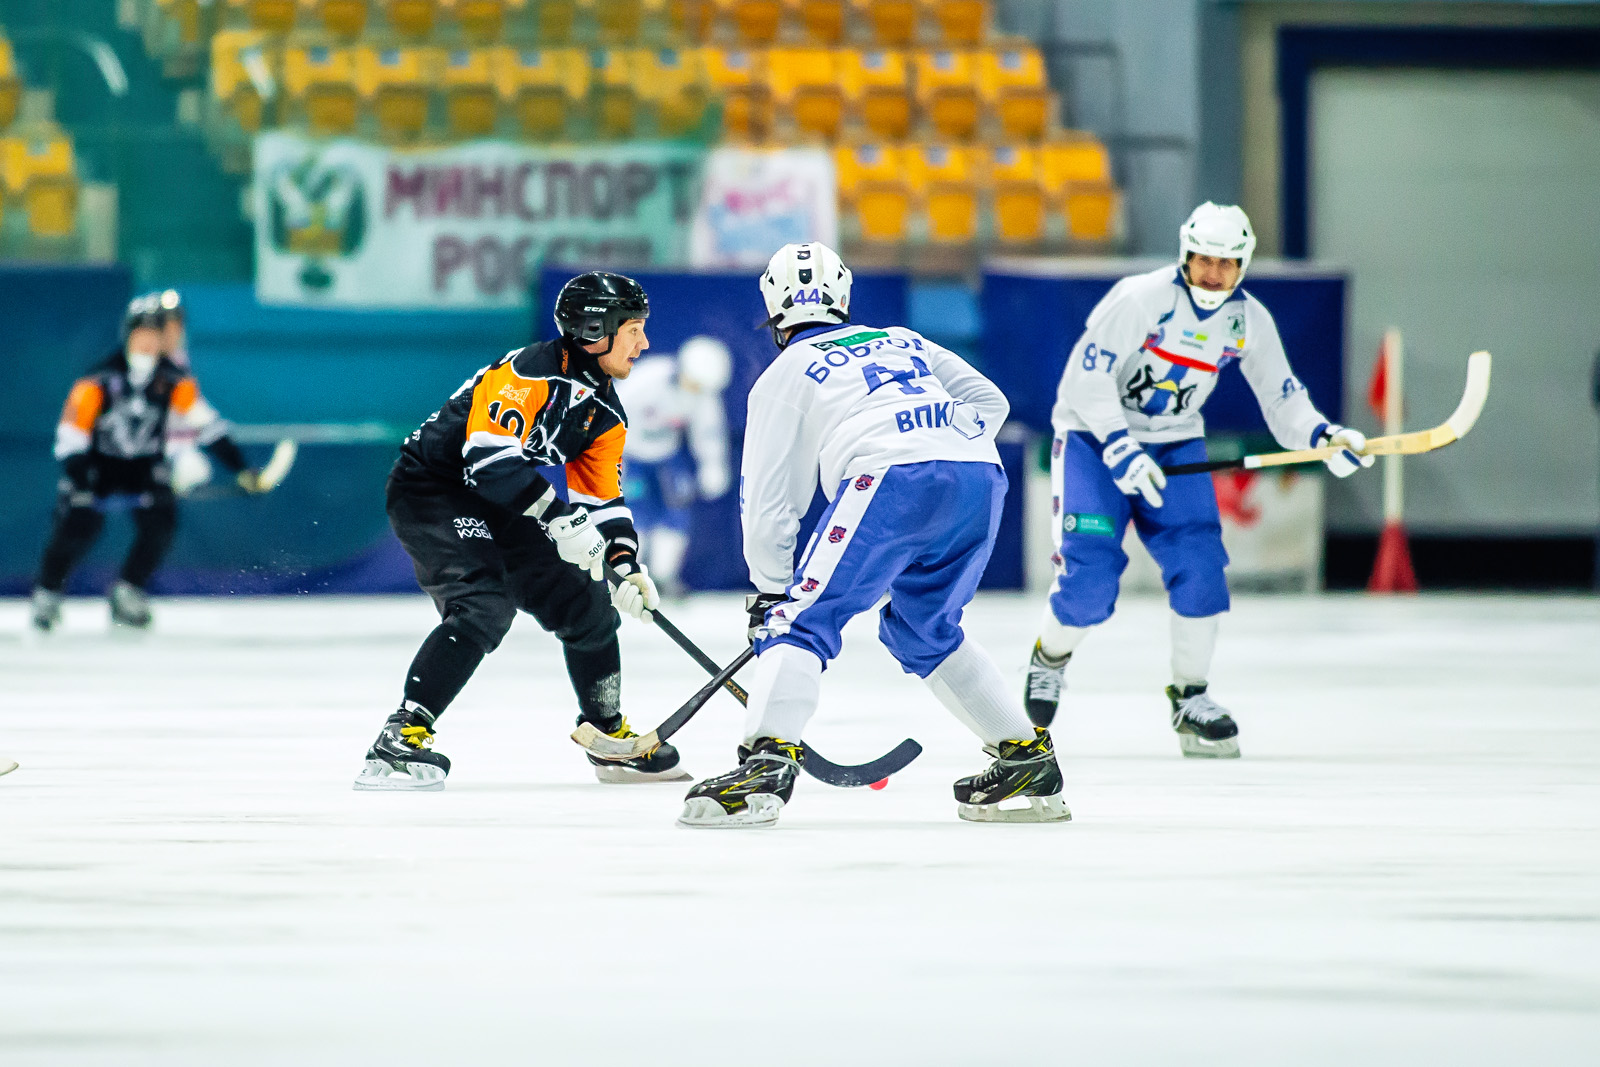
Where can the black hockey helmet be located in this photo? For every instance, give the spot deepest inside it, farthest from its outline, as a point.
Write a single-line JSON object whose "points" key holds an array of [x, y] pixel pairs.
{"points": [[593, 306], [143, 311]]}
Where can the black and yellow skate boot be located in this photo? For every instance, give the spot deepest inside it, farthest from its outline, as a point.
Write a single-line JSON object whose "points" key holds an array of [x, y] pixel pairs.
{"points": [[1024, 770], [1205, 729], [401, 757], [1041, 696], [751, 794], [660, 764]]}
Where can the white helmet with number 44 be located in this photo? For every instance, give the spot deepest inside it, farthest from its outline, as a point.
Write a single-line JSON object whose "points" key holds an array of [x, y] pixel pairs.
{"points": [[1220, 230], [805, 283]]}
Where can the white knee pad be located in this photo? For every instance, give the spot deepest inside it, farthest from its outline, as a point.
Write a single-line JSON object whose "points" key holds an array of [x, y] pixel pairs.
{"points": [[972, 687], [785, 684]]}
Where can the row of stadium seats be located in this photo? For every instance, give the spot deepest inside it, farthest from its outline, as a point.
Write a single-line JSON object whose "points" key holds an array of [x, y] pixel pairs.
{"points": [[812, 91], [896, 23], [1019, 188], [37, 170]]}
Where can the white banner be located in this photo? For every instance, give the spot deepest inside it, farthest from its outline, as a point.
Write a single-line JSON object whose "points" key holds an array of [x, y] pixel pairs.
{"points": [[355, 224], [756, 201]]}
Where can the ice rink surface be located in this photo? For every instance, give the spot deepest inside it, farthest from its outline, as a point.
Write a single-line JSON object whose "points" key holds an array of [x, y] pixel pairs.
{"points": [[1404, 868]]}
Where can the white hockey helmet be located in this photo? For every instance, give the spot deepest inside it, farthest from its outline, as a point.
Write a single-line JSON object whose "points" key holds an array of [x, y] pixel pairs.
{"points": [[704, 364], [1221, 230], [805, 283]]}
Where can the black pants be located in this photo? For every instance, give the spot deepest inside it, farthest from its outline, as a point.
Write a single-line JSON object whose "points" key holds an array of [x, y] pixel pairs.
{"points": [[481, 565], [79, 519]]}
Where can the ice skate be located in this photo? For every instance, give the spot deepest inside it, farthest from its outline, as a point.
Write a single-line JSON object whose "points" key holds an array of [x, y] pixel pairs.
{"points": [[45, 610], [660, 764], [1042, 694], [1022, 770], [130, 606], [401, 757], [1205, 730], [752, 794]]}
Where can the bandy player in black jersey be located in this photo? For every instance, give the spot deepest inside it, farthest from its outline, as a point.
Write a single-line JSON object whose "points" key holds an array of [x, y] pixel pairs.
{"points": [[489, 536]]}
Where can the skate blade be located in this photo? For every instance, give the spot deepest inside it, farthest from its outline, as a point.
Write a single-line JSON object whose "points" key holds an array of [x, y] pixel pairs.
{"points": [[619, 774], [589, 737], [8, 765], [703, 813], [378, 775], [1196, 747], [1039, 809]]}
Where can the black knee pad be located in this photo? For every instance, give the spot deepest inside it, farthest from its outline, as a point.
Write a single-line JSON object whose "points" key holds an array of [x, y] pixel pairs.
{"points": [[593, 628], [482, 618]]}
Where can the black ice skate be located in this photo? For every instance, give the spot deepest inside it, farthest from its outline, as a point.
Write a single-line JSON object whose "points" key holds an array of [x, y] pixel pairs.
{"points": [[753, 793], [1205, 730], [1025, 770], [45, 611], [401, 759], [1042, 695], [660, 764], [130, 606]]}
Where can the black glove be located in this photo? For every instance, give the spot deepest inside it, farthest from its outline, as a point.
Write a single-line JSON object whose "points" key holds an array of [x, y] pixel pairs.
{"points": [[81, 471], [758, 604]]}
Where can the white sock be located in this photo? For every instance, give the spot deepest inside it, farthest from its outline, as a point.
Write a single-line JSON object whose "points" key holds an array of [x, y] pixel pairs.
{"points": [[1193, 642], [971, 686], [1057, 638], [785, 684]]}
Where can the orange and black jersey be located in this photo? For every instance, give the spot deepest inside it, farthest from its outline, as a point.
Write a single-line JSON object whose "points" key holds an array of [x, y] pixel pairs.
{"points": [[107, 415], [547, 405]]}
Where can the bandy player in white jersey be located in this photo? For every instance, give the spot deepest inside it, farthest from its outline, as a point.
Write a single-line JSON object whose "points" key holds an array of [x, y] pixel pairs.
{"points": [[900, 433], [1129, 404]]}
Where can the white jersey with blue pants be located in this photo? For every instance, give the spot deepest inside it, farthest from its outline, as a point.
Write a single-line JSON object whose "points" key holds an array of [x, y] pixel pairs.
{"points": [[899, 433]]}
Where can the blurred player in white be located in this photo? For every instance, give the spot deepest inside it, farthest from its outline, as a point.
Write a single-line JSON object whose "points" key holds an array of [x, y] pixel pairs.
{"points": [[901, 434], [1129, 404], [670, 399]]}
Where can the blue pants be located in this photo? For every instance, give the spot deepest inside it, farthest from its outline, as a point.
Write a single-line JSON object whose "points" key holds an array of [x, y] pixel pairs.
{"points": [[660, 494], [1184, 534], [921, 532]]}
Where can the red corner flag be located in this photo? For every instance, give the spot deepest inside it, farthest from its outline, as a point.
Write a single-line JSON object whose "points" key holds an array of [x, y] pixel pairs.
{"points": [[1378, 387]]}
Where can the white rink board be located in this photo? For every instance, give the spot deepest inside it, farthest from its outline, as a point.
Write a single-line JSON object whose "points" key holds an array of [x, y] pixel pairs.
{"points": [[1404, 868]]}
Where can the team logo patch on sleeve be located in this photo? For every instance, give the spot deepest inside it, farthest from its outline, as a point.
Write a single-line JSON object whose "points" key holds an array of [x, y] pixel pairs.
{"points": [[1055, 448], [836, 535], [809, 586], [1088, 524], [864, 482]]}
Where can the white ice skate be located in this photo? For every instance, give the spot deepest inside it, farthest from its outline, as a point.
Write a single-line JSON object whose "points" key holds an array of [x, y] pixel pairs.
{"points": [[376, 774], [760, 809], [1205, 729]]}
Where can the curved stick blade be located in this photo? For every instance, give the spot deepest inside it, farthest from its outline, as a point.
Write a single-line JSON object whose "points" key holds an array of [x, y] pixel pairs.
{"points": [[848, 777], [1473, 398]]}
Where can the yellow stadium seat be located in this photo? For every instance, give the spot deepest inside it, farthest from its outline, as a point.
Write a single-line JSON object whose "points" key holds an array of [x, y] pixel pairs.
{"points": [[481, 21], [269, 16], [673, 83], [556, 21], [1019, 194], [411, 18], [322, 79], [1012, 83], [1081, 159], [1091, 211], [960, 22], [805, 84], [822, 20], [946, 179], [615, 105], [10, 84], [617, 22], [893, 22], [543, 88], [755, 21], [872, 184], [738, 77], [395, 82], [234, 54], [42, 171], [878, 86], [947, 89], [471, 107], [342, 18]]}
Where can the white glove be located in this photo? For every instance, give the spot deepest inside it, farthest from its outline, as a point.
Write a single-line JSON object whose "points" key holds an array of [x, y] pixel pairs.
{"points": [[1344, 464], [636, 595], [1133, 470], [578, 542], [713, 479]]}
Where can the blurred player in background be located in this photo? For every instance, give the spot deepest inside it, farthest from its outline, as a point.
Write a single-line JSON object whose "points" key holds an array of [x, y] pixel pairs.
{"points": [[669, 399], [901, 433], [1129, 403], [184, 450], [489, 536], [112, 442]]}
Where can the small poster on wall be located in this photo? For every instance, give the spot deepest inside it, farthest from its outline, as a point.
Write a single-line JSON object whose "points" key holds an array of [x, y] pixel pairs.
{"points": [[756, 201]]}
